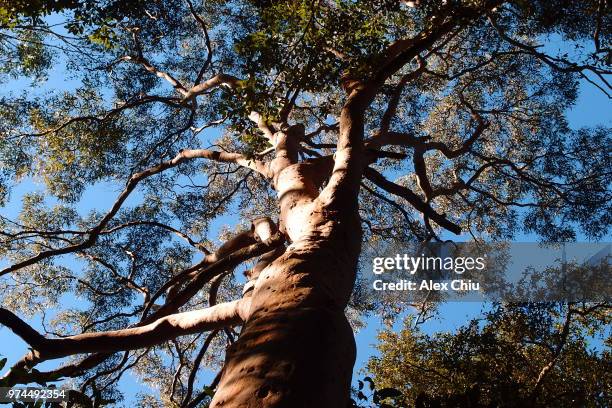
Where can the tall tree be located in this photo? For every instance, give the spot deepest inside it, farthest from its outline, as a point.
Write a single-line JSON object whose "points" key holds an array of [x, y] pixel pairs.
{"points": [[407, 118]]}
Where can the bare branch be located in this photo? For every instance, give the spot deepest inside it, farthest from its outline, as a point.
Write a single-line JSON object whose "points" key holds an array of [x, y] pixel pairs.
{"points": [[156, 332], [216, 81], [559, 64], [385, 122], [160, 74], [465, 147], [557, 352], [207, 42], [157, 224], [140, 59], [196, 365], [401, 191]]}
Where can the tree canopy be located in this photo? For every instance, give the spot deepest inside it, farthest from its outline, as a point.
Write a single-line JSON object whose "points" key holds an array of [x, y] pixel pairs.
{"points": [[177, 106]]}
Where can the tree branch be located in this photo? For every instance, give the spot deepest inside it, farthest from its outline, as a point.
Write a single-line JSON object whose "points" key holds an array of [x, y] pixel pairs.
{"points": [[554, 63], [156, 332], [262, 230], [216, 81], [93, 233], [209, 56], [205, 275], [267, 130], [196, 366], [140, 59], [401, 191], [20, 328]]}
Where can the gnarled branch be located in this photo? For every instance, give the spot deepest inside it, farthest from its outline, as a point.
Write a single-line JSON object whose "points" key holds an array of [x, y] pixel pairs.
{"points": [[404, 192]]}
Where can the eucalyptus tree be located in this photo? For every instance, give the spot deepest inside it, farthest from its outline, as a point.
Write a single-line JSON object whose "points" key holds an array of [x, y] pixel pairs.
{"points": [[315, 126]]}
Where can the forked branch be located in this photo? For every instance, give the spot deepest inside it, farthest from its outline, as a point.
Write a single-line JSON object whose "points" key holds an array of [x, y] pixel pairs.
{"points": [[414, 200], [156, 332], [94, 232]]}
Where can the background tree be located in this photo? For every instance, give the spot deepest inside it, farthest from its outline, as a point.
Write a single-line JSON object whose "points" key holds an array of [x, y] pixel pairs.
{"points": [[405, 118], [519, 355]]}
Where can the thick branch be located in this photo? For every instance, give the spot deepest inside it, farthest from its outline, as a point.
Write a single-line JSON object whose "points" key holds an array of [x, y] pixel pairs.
{"points": [[349, 160], [403, 51], [261, 123], [420, 169], [262, 230], [226, 263], [159, 331], [216, 81], [204, 276], [20, 328]]}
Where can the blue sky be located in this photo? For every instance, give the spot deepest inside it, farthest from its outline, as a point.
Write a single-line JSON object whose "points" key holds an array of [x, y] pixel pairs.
{"points": [[593, 108]]}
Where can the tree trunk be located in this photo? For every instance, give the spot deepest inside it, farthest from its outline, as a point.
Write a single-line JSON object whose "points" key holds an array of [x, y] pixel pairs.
{"points": [[297, 347]]}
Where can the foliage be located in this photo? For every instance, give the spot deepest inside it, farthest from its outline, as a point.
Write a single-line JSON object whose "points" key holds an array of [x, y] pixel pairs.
{"points": [[496, 360]]}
